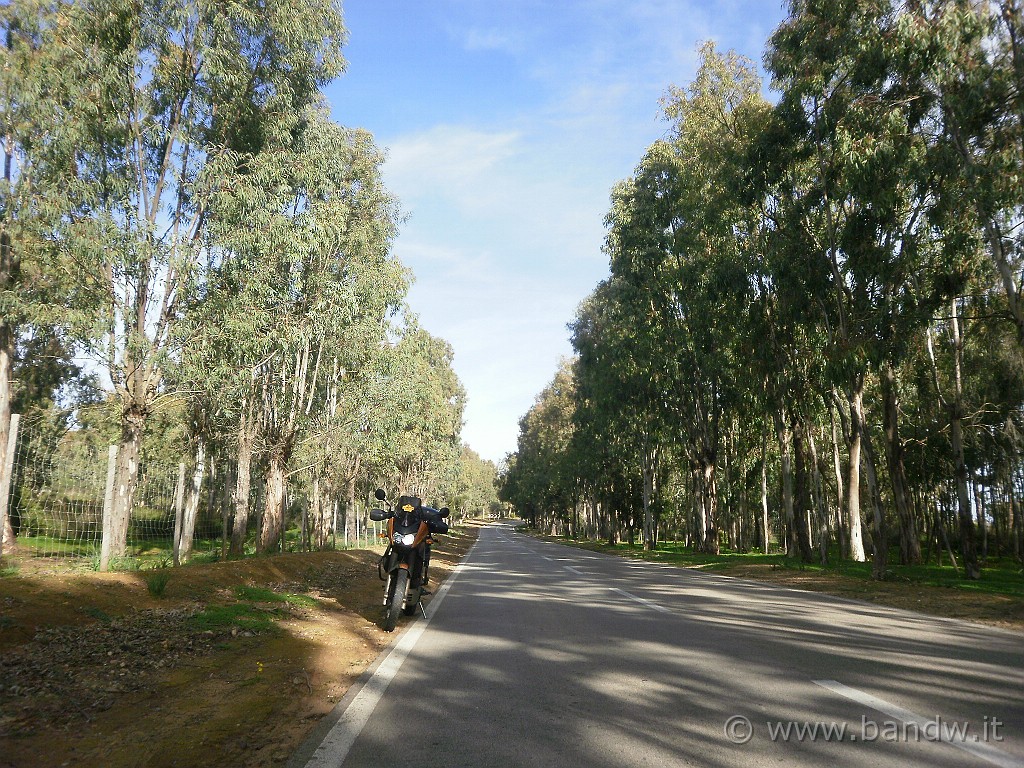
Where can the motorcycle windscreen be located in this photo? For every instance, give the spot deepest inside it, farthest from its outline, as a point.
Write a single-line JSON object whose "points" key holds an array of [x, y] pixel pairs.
{"points": [[408, 504]]}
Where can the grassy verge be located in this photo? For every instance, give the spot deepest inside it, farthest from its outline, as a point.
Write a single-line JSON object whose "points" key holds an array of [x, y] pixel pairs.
{"points": [[256, 611], [996, 598]]}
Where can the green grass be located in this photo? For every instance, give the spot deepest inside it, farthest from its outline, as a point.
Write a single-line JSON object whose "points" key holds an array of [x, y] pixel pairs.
{"points": [[998, 577], [262, 595], [157, 580], [241, 615], [49, 546], [245, 614], [96, 613]]}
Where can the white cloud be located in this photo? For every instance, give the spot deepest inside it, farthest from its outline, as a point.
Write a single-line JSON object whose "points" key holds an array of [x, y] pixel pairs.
{"points": [[488, 40], [448, 161]]}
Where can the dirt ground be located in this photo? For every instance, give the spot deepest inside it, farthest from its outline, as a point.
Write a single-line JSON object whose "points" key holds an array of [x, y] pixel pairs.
{"points": [[97, 671], [236, 662]]}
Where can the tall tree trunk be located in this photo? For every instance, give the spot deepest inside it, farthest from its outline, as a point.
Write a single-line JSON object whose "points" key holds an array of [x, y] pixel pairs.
{"points": [[765, 536], [879, 534], [842, 526], [188, 526], [243, 480], [854, 438], [818, 500], [1017, 524], [910, 544], [981, 518], [1013, 522], [274, 505], [320, 517], [126, 477], [802, 495], [650, 457], [785, 454], [350, 503], [941, 525], [699, 508], [968, 547], [10, 268], [998, 252], [709, 485], [613, 524], [6, 377]]}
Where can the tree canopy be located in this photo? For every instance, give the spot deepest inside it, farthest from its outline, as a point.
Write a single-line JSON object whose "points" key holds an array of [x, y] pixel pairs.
{"points": [[812, 307]]}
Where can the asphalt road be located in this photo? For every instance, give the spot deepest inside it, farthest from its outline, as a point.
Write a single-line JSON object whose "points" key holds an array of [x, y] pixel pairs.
{"points": [[542, 655]]}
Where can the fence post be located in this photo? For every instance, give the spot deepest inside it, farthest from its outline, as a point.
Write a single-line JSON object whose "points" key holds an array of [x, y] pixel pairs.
{"points": [[6, 472], [108, 508]]}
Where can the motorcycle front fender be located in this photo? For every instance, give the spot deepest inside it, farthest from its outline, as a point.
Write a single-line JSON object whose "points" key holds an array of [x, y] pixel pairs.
{"points": [[393, 558]]}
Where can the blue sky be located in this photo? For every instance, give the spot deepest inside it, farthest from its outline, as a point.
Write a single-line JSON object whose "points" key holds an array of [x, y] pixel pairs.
{"points": [[506, 125]]}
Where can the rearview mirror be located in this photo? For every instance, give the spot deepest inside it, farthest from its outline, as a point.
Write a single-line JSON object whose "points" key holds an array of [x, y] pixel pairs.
{"points": [[379, 494], [443, 512]]}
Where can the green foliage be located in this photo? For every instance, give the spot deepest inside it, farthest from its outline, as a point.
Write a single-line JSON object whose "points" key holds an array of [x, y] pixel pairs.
{"points": [[247, 616], [183, 208], [541, 480], [157, 581], [97, 613], [263, 595], [790, 281], [477, 492], [1003, 577], [241, 615]]}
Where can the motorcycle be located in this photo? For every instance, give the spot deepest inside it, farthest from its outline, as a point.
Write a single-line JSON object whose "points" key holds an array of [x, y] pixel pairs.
{"points": [[404, 565]]}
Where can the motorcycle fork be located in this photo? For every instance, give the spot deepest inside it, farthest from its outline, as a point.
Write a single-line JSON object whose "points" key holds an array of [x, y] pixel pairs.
{"points": [[391, 580]]}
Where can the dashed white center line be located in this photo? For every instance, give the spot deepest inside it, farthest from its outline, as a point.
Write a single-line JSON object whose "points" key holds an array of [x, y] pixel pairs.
{"points": [[647, 603]]}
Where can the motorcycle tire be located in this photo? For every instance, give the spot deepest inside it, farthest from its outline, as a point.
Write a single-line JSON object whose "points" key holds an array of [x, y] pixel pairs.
{"points": [[412, 602], [394, 606]]}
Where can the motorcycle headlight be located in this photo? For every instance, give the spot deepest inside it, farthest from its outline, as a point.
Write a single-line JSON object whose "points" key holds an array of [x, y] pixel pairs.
{"points": [[408, 539]]}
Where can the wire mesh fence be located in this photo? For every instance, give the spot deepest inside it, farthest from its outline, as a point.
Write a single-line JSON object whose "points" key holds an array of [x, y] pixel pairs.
{"points": [[56, 496], [57, 483]]}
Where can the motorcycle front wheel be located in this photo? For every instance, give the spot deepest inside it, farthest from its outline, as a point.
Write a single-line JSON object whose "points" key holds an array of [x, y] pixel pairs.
{"points": [[412, 602], [394, 606]]}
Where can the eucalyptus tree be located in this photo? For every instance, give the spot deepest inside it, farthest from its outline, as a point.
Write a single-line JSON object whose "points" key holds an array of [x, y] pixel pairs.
{"points": [[161, 89], [307, 285], [41, 293], [964, 61], [620, 412], [541, 480], [477, 490], [675, 238], [865, 202], [598, 435], [424, 422]]}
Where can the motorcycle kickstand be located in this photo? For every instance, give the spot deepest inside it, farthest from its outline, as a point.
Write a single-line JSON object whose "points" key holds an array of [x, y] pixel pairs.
{"points": [[422, 609]]}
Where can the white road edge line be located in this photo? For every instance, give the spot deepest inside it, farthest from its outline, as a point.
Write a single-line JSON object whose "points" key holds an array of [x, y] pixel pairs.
{"points": [[977, 748], [339, 740], [640, 600]]}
